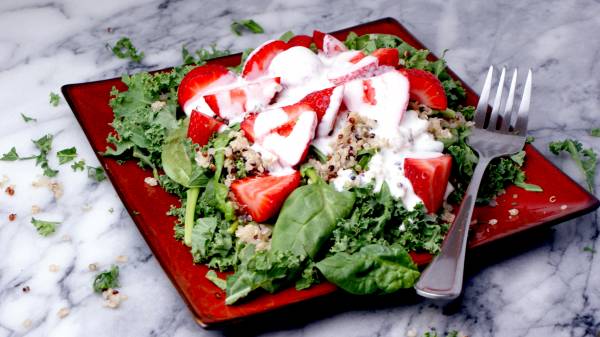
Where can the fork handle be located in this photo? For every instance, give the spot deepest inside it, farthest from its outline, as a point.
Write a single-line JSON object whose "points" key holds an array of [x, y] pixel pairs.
{"points": [[443, 278]]}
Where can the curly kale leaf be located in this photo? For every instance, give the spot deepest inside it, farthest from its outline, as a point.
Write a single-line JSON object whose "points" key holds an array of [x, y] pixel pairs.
{"points": [[144, 114], [585, 159], [377, 218]]}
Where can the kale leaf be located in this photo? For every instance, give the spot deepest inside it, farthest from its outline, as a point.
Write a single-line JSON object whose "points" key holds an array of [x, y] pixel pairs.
{"points": [[124, 48], [238, 27], [44, 228], [106, 279], [585, 159]]}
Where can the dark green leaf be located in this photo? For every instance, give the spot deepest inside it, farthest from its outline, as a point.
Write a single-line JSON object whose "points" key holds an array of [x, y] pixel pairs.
{"points": [[373, 269], [28, 119], [96, 173], [108, 279], [595, 132], [584, 158], [125, 49], [11, 155], [78, 165], [44, 228], [54, 99], [308, 217], [238, 27], [66, 155]]}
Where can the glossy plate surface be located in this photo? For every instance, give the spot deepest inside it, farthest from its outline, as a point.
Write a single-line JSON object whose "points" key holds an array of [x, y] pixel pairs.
{"points": [[561, 200]]}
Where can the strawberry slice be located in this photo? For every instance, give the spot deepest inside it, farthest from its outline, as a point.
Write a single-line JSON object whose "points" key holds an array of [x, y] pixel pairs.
{"points": [[332, 46], [429, 179], [300, 41], [256, 126], [426, 88], [263, 196], [258, 61], [326, 104], [351, 65], [198, 81], [234, 102], [387, 56], [202, 127], [318, 39], [383, 98], [289, 141]]}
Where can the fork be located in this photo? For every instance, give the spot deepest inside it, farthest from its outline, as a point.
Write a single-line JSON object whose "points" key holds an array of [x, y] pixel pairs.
{"points": [[443, 278]]}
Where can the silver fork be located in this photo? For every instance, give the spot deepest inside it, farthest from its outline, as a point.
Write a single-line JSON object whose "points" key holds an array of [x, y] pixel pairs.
{"points": [[443, 278]]}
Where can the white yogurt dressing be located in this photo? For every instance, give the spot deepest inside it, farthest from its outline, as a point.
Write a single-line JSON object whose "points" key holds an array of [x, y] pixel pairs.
{"points": [[388, 164]]}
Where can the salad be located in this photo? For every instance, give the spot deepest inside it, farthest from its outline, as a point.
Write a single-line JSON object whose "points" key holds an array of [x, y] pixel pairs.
{"points": [[314, 159]]}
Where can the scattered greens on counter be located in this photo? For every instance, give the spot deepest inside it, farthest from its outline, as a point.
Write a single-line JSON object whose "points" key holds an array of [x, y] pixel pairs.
{"points": [[44, 144], [108, 279], [585, 159], [124, 48], [238, 27], [66, 155], [54, 99], [96, 173], [202, 55], [44, 228], [11, 155], [78, 165], [589, 249], [28, 119], [595, 132]]}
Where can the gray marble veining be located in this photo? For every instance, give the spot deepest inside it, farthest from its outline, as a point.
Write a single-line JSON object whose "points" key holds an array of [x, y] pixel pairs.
{"points": [[551, 288]]}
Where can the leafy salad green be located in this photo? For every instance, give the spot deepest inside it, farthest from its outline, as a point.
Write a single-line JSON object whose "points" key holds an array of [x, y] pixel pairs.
{"points": [[356, 239]]}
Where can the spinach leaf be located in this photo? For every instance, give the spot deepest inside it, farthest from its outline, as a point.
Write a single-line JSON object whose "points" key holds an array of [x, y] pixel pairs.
{"points": [[308, 217], [178, 159], [373, 269]]}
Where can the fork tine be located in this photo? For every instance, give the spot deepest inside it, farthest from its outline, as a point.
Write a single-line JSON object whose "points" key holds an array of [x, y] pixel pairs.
{"points": [[482, 105], [521, 124], [497, 101], [507, 115]]}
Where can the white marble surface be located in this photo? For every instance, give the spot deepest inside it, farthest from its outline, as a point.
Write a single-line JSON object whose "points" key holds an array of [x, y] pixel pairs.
{"points": [[550, 289]]}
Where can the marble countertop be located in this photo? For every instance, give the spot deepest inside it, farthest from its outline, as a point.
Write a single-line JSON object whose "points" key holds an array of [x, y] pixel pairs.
{"points": [[548, 287]]}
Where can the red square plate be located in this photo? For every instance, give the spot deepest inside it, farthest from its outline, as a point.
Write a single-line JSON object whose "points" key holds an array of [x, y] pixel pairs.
{"points": [[561, 200]]}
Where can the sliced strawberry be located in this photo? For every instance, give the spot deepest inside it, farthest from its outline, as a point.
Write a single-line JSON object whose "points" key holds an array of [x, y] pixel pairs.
{"points": [[232, 103], [289, 141], [247, 127], [263, 196], [426, 88], [202, 127], [319, 101], [318, 39], [429, 179], [199, 80], [387, 56], [383, 98], [258, 61], [351, 65], [300, 41], [326, 104], [332, 46]]}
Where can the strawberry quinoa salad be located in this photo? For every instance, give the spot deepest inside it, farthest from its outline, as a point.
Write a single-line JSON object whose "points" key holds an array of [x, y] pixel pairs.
{"points": [[313, 160]]}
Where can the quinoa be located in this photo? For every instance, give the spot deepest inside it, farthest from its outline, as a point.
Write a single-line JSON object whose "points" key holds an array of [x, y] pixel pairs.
{"points": [[240, 159], [356, 135], [257, 234]]}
